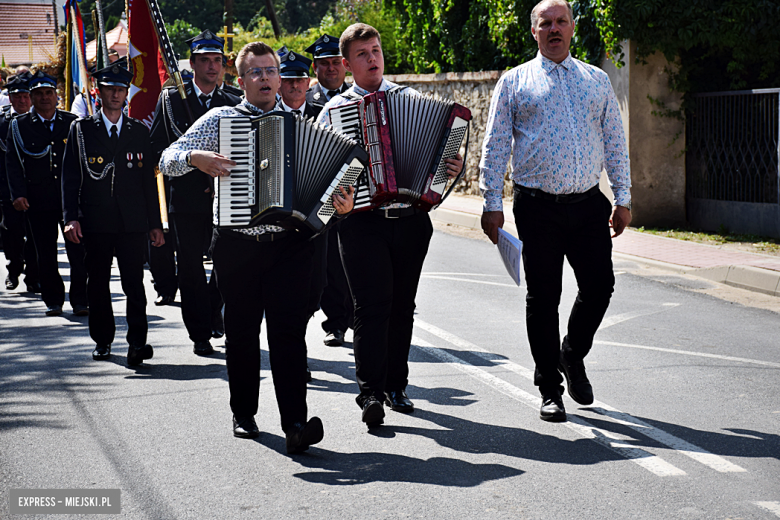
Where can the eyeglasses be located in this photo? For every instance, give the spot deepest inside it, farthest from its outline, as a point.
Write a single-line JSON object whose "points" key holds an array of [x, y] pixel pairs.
{"points": [[257, 72]]}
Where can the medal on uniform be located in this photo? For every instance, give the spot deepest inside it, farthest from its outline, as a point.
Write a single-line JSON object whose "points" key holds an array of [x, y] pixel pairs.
{"points": [[100, 160], [130, 156], [129, 165], [140, 164], [140, 156], [91, 160]]}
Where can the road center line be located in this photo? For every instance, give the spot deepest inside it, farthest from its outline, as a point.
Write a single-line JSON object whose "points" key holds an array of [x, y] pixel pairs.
{"points": [[467, 280], [606, 438], [772, 507], [689, 353], [692, 451]]}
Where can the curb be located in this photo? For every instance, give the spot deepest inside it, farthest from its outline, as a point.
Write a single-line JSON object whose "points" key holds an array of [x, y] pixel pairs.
{"points": [[744, 277]]}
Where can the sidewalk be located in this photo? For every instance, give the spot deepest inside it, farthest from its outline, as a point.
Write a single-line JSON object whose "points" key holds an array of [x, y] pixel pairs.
{"points": [[750, 271]]}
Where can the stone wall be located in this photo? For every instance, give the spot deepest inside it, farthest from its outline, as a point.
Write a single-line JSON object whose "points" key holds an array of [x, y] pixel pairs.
{"points": [[472, 90]]}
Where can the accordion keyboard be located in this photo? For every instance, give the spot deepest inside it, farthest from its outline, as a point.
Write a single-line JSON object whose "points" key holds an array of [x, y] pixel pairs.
{"points": [[235, 193]]}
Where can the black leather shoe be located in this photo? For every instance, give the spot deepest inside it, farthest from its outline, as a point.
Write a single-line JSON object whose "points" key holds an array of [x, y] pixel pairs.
{"points": [[373, 411], [136, 354], [54, 310], [217, 325], [101, 352], [334, 339], [34, 288], [203, 348], [552, 408], [80, 310], [577, 383], [300, 436], [245, 427], [11, 281], [308, 374], [163, 300], [398, 401]]}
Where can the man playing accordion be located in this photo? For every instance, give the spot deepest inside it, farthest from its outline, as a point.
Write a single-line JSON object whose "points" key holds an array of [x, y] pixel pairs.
{"points": [[261, 270], [392, 239]]}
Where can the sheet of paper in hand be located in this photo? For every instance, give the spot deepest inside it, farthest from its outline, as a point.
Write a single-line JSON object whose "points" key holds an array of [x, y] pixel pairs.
{"points": [[510, 248]]}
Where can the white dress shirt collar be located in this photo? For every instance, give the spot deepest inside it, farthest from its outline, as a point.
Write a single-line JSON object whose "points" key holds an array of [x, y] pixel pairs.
{"points": [[109, 124]]}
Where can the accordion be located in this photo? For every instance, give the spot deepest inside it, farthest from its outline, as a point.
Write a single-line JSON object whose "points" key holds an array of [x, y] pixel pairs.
{"points": [[407, 137], [288, 169]]}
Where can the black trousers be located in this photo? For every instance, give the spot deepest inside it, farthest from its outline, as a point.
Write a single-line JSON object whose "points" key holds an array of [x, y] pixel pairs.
{"points": [[18, 248], [383, 259], [44, 227], [550, 232], [336, 301], [162, 265], [271, 278], [129, 251], [318, 273], [196, 296]]}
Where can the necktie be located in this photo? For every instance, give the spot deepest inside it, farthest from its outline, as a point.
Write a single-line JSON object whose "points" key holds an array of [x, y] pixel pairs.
{"points": [[204, 99], [296, 112], [333, 93], [114, 136]]}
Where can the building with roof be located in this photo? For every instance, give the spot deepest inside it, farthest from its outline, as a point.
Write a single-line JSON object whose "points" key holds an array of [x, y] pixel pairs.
{"points": [[28, 31], [116, 39]]}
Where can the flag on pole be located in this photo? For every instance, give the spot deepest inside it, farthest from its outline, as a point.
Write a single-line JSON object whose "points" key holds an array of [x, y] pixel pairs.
{"points": [[143, 52], [76, 67]]}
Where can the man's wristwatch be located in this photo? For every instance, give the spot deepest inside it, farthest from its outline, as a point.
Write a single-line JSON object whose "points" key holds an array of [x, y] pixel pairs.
{"points": [[189, 159]]}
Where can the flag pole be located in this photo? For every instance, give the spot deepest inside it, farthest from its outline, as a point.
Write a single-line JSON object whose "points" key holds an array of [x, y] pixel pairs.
{"points": [[102, 34]]}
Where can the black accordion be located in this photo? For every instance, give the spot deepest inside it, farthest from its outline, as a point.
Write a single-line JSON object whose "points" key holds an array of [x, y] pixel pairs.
{"points": [[288, 169], [407, 136]]}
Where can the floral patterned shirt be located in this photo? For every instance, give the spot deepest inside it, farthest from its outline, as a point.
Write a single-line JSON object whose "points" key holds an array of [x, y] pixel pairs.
{"points": [[561, 124], [204, 135]]}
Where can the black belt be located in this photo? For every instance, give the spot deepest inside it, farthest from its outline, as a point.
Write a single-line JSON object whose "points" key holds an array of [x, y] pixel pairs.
{"points": [[395, 212], [265, 237], [568, 198]]}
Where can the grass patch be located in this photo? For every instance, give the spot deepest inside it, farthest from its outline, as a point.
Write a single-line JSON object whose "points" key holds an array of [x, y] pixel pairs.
{"points": [[723, 236]]}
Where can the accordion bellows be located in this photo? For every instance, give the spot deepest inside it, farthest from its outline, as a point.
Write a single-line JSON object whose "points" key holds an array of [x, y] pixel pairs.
{"points": [[288, 169], [407, 136]]}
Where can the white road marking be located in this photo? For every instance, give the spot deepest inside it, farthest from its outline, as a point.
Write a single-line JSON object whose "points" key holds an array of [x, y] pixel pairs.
{"points": [[684, 447], [606, 438], [772, 507], [689, 353], [468, 281], [464, 274], [608, 321]]}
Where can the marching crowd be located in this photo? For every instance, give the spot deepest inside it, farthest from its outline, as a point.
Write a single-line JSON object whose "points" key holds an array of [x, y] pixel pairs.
{"points": [[92, 177]]}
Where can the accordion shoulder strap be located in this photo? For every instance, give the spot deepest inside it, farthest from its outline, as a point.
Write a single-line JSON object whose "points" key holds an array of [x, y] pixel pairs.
{"points": [[243, 110]]}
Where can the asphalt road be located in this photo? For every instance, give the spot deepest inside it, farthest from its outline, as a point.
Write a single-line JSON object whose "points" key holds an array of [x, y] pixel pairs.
{"points": [[686, 422]]}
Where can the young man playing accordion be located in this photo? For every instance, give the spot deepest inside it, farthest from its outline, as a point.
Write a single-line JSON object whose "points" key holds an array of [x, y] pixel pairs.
{"points": [[262, 270], [392, 240]]}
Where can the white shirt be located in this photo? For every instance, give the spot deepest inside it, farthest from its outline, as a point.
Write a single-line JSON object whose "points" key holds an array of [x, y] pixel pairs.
{"points": [[288, 109], [198, 92], [109, 124]]}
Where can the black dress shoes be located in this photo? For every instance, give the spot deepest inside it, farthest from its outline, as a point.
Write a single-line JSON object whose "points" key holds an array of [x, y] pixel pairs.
{"points": [[203, 348], [398, 401], [301, 436], [163, 300], [334, 339], [552, 408], [217, 325], [101, 352], [577, 382], [373, 411], [80, 310], [11, 281], [245, 427], [53, 310], [136, 354]]}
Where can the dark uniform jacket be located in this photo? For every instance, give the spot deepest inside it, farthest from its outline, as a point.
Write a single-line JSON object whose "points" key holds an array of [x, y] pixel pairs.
{"points": [[309, 110], [316, 95], [230, 89], [125, 199], [5, 123], [190, 193], [38, 179]]}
